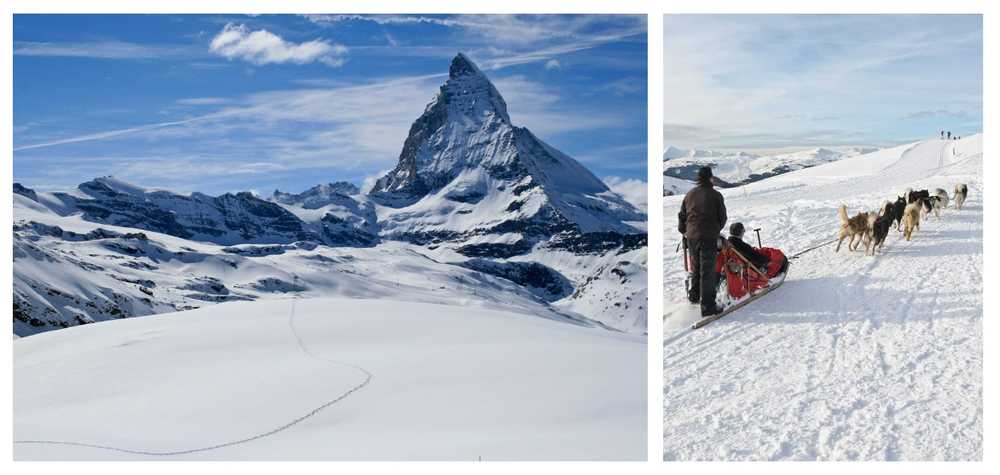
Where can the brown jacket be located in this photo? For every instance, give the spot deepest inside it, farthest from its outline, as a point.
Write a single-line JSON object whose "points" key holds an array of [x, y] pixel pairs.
{"points": [[703, 214]]}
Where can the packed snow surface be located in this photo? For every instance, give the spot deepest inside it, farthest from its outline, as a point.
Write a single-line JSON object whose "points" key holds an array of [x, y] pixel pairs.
{"points": [[335, 379], [854, 357]]}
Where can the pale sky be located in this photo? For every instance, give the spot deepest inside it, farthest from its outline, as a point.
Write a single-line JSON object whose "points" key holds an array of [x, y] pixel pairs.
{"points": [[760, 82]]}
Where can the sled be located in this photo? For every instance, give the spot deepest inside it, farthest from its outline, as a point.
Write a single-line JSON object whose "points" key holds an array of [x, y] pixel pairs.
{"points": [[775, 283], [744, 281]]}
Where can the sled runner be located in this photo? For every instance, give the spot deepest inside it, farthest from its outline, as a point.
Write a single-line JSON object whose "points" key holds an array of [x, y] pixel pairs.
{"points": [[745, 282]]}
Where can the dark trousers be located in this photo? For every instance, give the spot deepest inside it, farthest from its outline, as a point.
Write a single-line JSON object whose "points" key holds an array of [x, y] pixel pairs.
{"points": [[704, 279]]}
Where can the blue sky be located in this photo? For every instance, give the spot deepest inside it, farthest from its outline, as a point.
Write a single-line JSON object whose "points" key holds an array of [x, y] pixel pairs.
{"points": [[766, 82], [224, 103]]}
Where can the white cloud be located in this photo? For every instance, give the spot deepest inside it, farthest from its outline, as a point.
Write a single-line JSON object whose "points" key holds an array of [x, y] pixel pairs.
{"points": [[540, 108], [263, 47], [625, 86], [769, 79], [202, 101], [508, 29], [632, 189], [553, 64], [115, 133], [369, 181], [508, 40], [939, 113], [99, 50], [392, 41]]}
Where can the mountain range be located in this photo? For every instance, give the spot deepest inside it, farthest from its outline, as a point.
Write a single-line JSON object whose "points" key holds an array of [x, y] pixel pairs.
{"points": [[476, 211], [735, 168]]}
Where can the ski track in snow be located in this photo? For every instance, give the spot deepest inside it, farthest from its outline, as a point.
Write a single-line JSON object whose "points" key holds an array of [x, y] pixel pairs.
{"points": [[854, 357], [302, 347]]}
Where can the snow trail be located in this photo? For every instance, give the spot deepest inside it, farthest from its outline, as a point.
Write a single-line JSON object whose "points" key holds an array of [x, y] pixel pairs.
{"points": [[855, 357], [302, 347]]}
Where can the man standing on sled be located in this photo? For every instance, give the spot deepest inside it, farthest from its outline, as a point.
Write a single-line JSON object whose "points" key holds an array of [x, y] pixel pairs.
{"points": [[702, 217]]}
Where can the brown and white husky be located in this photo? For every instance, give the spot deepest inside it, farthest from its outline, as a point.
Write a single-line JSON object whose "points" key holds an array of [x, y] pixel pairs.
{"points": [[856, 227]]}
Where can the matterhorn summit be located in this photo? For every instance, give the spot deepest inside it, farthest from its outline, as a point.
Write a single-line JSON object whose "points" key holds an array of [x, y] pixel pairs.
{"points": [[466, 172]]}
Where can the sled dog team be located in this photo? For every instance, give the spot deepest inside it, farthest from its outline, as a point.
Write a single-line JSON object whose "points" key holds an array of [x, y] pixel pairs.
{"points": [[872, 227]]}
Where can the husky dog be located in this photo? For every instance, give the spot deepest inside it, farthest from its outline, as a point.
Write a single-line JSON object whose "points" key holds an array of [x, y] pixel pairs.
{"points": [[926, 205], [911, 219], [878, 225], [856, 227], [937, 204], [961, 193], [940, 192], [897, 212], [912, 196], [930, 204]]}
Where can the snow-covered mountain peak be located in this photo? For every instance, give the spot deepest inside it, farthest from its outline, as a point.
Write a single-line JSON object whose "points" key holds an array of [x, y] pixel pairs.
{"points": [[675, 152], [317, 196], [466, 170], [461, 65], [461, 127], [470, 95], [110, 185]]}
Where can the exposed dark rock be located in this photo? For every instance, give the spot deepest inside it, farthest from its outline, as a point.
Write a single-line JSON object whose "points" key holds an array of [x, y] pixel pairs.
{"points": [[598, 243], [24, 191], [495, 249], [544, 281]]}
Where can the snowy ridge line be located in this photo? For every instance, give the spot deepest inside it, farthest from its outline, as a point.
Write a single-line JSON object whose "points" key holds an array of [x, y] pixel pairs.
{"points": [[288, 425]]}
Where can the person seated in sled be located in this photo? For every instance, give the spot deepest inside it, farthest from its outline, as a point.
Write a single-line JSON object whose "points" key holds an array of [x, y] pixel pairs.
{"points": [[755, 257]]}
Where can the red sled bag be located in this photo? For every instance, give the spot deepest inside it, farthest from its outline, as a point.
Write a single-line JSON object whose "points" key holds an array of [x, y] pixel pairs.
{"points": [[741, 276]]}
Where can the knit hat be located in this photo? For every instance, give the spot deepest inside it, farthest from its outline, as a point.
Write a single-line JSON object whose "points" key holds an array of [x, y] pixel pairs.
{"points": [[705, 175]]}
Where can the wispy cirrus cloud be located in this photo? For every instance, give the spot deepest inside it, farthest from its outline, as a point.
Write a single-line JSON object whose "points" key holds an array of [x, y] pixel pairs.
{"points": [[363, 116], [203, 101], [939, 113], [263, 47], [100, 50], [770, 79], [501, 29], [501, 41], [117, 132]]}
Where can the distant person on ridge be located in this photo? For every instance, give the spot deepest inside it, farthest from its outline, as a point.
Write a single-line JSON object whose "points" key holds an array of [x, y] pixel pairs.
{"points": [[949, 135], [702, 217], [942, 135]]}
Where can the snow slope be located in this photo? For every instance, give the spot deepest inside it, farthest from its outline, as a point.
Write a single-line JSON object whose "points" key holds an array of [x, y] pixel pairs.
{"points": [[333, 379], [67, 268], [854, 357], [676, 186]]}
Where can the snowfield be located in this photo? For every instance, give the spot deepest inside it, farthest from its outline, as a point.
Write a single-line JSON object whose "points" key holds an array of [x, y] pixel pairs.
{"points": [[335, 379], [854, 357]]}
